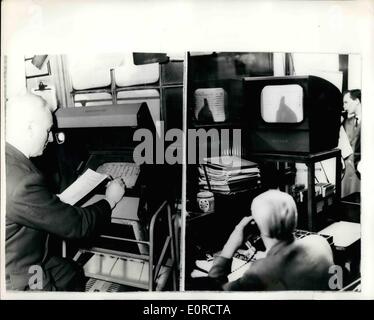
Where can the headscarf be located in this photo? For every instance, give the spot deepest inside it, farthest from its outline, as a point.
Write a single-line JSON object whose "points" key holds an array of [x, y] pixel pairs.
{"points": [[275, 213]]}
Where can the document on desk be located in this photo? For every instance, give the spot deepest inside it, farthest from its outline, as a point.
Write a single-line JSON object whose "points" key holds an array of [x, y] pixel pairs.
{"points": [[238, 267], [88, 181], [204, 264], [126, 209], [344, 233], [198, 274]]}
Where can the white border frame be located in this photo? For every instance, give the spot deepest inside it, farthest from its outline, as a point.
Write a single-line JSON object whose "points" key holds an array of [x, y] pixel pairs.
{"points": [[192, 25]]}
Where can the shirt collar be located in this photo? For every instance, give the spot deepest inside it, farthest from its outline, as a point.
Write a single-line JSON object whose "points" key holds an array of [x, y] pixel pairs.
{"points": [[10, 149], [279, 246]]}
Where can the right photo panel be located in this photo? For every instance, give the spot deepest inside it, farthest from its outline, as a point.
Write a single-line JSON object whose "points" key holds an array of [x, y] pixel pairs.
{"points": [[273, 171]]}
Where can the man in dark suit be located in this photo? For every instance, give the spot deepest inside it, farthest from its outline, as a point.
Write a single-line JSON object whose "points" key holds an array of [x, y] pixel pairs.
{"points": [[33, 212], [289, 264], [352, 126]]}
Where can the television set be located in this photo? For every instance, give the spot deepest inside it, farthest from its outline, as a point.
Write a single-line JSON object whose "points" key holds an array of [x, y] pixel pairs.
{"points": [[298, 114]]}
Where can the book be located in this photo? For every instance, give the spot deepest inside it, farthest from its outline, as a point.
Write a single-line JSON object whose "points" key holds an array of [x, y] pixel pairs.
{"points": [[229, 163], [229, 177], [229, 174], [81, 187], [239, 182]]}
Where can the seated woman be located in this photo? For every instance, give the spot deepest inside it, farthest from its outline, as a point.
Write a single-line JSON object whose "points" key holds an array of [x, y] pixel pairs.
{"points": [[289, 264]]}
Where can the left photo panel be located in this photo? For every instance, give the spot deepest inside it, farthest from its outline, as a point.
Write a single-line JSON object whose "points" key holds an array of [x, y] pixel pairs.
{"points": [[93, 153]]}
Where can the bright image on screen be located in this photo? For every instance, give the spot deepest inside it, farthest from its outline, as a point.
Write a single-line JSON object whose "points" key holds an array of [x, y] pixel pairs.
{"points": [[282, 103]]}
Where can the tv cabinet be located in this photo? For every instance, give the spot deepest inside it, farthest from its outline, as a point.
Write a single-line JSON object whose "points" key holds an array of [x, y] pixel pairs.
{"points": [[309, 159]]}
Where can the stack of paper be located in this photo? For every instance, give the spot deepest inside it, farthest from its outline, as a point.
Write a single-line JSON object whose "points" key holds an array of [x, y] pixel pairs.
{"points": [[229, 174]]}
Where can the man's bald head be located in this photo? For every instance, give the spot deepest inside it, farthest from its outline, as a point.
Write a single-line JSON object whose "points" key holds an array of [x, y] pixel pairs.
{"points": [[275, 214], [28, 124], [30, 106]]}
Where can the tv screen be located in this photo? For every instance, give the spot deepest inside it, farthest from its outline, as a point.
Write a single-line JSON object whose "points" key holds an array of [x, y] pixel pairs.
{"points": [[291, 114], [282, 103]]}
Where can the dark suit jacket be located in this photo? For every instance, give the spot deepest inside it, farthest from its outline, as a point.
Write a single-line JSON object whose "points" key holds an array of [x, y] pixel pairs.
{"points": [[32, 212], [294, 265]]}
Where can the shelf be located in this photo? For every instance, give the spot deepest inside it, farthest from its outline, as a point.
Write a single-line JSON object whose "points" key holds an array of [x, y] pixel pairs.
{"points": [[297, 157], [193, 215], [312, 202]]}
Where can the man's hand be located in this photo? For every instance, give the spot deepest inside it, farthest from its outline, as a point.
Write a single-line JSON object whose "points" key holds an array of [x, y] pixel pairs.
{"points": [[236, 239], [114, 191]]}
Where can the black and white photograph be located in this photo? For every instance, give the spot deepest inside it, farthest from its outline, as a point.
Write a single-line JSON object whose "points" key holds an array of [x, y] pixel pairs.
{"points": [[84, 210], [277, 176], [186, 151]]}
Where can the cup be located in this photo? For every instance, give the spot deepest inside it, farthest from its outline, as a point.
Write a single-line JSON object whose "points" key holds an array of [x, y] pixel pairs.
{"points": [[205, 201]]}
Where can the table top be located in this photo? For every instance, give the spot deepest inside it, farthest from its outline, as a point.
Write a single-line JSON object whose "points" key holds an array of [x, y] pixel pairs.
{"points": [[344, 233]]}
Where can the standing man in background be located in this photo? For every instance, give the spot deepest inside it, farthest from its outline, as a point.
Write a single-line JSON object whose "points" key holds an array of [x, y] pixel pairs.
{"points": [[352, 126]]}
